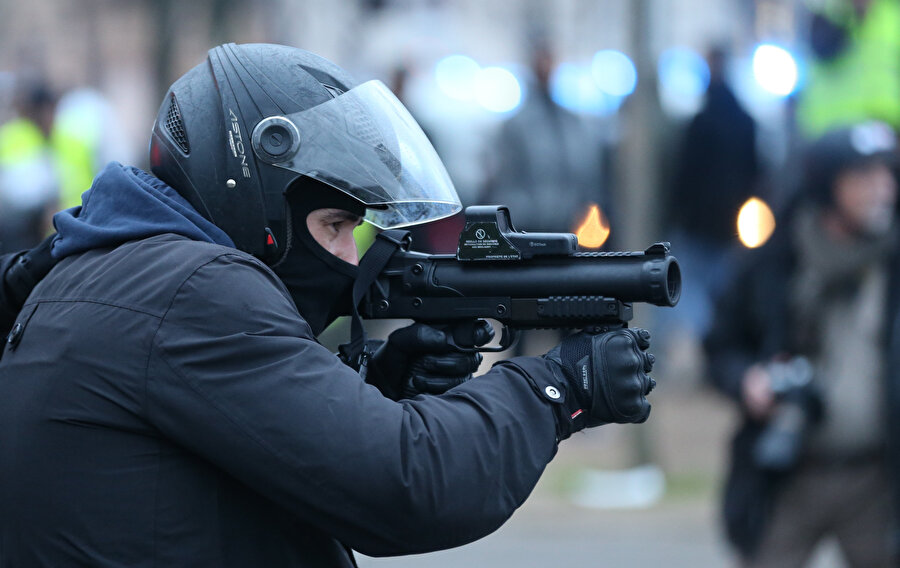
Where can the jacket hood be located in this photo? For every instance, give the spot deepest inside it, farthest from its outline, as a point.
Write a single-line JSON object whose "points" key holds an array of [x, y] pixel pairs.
{"points": [[126, 204]]}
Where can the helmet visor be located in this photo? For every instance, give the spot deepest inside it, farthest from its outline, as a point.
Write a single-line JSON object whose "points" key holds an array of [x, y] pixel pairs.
{"points": [[365, 143]]}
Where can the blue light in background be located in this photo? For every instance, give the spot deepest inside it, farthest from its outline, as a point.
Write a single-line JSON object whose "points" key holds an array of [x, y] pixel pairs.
{"points": [[775, 69], [683, 80], [614, 73], [683, 72], [455, 76], [572, 86], [497, 90]]}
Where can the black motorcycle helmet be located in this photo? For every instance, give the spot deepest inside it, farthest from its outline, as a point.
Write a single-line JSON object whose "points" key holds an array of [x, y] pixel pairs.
{"points": [[236, 132]]}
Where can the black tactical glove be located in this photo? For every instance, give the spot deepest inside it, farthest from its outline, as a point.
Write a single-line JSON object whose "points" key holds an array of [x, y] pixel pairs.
{"points": [[20, 274], [420, 359], [605, 379]]}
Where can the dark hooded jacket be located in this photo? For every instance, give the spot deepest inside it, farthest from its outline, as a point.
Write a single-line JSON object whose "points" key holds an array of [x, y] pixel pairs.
{"points": [[162, 403]]}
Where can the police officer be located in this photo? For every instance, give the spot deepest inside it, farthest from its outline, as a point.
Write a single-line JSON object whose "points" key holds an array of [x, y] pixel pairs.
{"points": [[163, 400]]}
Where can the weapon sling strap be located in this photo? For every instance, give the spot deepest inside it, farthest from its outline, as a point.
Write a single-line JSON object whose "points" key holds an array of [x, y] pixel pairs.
{"points": [[373, 262]]}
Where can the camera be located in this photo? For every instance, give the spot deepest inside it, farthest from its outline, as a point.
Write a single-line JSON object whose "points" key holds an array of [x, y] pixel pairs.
{"points": [[780, 445]]}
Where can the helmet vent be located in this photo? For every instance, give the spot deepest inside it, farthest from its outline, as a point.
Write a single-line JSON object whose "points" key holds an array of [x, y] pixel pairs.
{"points": [[175, 126]]}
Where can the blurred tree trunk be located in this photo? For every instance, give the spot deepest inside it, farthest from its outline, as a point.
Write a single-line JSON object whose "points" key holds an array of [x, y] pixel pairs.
{"points": [[167, 22], [639, 181], [639, 184], [164, 27], [90, 13], [220, 28]]}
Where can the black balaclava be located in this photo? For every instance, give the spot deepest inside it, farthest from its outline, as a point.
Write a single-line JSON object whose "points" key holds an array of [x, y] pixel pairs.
{"points": [[320, 283]]}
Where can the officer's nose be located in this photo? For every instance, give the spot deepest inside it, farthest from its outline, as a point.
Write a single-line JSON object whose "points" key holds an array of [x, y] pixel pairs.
{"points": [[346, 249]]}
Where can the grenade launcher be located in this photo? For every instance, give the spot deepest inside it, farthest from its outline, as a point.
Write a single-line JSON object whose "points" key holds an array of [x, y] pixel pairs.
{"points": [[521, 280]]}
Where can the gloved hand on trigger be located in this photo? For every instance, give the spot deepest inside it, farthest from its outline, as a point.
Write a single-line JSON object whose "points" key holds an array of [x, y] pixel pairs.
{"points": [[420, 359], [605, 379]]}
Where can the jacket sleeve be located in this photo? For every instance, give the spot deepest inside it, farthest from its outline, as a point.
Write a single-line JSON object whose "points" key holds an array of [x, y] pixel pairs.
{"points": [[8, 308], [734, 341], [235, 376]]}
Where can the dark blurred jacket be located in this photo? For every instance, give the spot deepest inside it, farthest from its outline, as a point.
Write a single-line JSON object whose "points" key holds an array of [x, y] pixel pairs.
{"points": [[753, 324], [7, 312], [717, 170], [162, 403]]}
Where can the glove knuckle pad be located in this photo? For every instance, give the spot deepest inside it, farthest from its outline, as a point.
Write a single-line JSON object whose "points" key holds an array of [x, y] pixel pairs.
{"points": [[623, 363], [628, 396]]}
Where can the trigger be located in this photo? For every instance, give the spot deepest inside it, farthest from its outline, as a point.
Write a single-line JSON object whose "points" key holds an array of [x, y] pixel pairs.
{"points": [[508, 337]]}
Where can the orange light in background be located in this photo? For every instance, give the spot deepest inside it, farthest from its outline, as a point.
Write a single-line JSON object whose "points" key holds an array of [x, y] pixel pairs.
{"points": [[595, 229], [755, 223]]}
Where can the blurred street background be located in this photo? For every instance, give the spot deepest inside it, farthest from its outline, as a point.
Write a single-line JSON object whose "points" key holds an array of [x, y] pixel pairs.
{"points": [[626, 121]]}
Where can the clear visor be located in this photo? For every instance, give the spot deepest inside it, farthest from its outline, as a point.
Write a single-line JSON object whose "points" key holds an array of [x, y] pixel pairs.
{"points": [[365, 143]]}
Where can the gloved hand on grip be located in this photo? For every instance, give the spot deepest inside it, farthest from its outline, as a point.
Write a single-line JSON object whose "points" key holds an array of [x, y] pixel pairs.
{"points": [[605, 379], [421, 359]]}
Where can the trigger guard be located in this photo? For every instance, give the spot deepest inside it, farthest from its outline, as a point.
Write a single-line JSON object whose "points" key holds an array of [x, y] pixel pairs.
{"points": [[460, 348], [508, 337]]}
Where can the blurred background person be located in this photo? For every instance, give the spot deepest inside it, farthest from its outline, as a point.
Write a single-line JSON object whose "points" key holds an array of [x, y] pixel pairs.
{"points": [[50, 151], [801, 343], [547, 160], [29, 179], [716, 172]]}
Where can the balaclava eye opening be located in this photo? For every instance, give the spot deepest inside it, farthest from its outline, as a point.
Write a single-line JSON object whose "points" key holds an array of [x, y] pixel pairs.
{"points": [[320, 283]]}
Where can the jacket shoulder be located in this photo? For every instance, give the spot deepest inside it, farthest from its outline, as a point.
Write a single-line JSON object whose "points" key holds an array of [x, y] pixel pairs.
{"points": [[146, 274]]}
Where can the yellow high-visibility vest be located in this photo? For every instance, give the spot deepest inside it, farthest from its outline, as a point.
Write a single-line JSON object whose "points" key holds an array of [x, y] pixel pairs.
{"points": [[76, 166], [862, 82], [21, 140]]}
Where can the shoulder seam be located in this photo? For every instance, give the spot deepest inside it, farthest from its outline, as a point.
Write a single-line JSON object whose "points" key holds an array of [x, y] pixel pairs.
{"points": [[162, 318], [97, 301]]}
